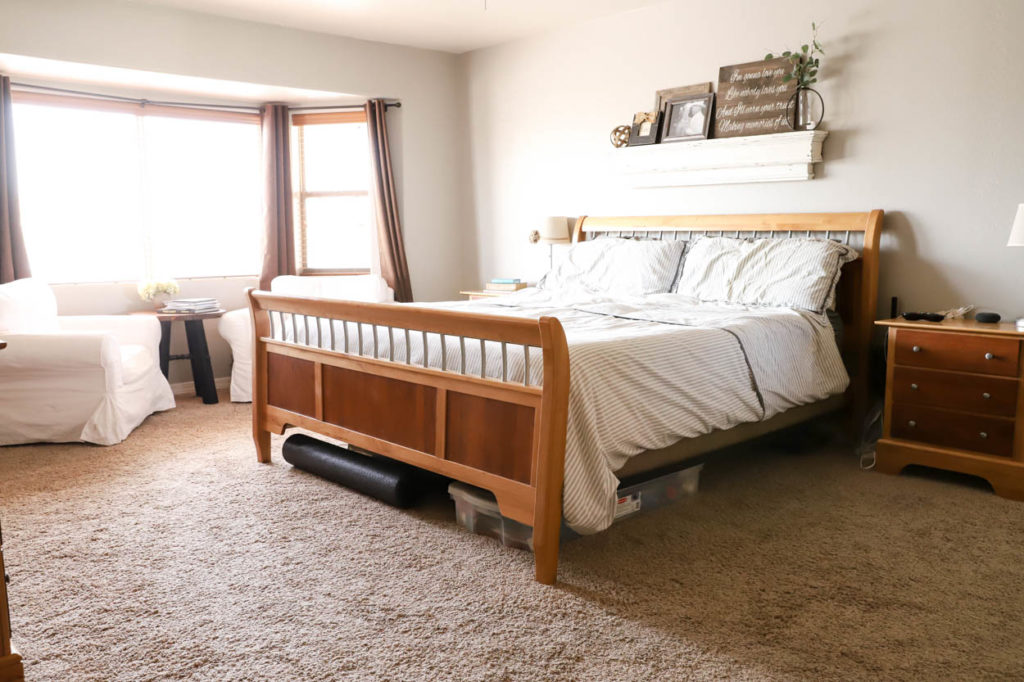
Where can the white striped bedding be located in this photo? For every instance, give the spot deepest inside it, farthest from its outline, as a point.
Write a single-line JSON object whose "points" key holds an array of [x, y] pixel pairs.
{"points": [[644, 372], [647, 372]]}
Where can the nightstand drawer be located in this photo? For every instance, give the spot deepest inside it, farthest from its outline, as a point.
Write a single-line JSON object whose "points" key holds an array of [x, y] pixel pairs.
{"points": [[954, 391], [964, 352], [956, 430]]}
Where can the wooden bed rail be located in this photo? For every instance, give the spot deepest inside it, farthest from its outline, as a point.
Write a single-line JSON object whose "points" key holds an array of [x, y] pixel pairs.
{"points": [[314, 367]]}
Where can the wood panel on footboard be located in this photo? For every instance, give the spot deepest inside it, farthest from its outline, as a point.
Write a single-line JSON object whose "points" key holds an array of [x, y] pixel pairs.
{"points": [[400, 381]]}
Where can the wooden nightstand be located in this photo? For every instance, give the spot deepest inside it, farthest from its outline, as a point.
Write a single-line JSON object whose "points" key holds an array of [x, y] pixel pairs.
{"points": [[954, 399], [485, 293]]}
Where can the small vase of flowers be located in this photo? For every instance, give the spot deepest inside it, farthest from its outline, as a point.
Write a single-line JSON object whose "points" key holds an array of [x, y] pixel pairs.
{"points": [[806, 107], [158, 291]]}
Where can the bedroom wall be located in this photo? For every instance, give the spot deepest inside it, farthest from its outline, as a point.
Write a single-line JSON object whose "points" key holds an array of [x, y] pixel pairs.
{"points": [[137, 36], [923, 101]]}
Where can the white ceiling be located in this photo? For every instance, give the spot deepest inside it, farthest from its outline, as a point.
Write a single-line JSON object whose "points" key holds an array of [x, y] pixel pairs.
{"points": [[449, 25]]}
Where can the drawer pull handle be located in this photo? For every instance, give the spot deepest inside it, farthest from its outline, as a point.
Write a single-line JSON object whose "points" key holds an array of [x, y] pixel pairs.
{"points": [[913, 387], [916, 349], [911, 423], [989, 356], [983, 434], [986, 396]]}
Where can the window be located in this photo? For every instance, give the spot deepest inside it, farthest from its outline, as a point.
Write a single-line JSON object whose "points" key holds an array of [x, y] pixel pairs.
{"points": [[113, 191], [331, 177]]}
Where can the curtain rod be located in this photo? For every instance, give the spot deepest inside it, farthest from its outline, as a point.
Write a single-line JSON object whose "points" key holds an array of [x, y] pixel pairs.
{"points": [[187, 105]]}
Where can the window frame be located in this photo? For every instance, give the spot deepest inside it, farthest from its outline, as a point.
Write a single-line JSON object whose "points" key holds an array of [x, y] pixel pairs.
{"points": [[299, 121], [138, 108]]}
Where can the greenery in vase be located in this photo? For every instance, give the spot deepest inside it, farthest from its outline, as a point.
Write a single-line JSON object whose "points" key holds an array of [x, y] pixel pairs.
{"points": [[149, 290], [804, 63]]}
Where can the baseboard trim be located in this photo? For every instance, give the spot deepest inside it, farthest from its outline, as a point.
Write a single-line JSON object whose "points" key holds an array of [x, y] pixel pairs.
{"points": [[188, 388]]}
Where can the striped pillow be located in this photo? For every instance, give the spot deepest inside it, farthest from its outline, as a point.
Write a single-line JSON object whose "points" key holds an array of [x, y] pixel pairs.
{"points": [[793, 273], [614, 266]]}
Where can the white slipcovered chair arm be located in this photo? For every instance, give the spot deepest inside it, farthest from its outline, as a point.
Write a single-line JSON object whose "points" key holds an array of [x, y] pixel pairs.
{"points": [[141, 330], [62, 352], [235, 327]]}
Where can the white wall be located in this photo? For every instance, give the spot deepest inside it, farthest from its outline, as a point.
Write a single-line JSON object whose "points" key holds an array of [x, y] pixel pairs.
{"points": [[424, 139], [923, 101]]}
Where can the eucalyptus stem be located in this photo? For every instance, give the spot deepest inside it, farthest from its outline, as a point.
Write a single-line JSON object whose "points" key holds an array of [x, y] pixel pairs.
{"points": [[804, 62]]}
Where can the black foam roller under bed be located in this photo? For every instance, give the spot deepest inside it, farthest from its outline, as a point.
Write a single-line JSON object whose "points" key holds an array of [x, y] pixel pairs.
{"points": [[395, 483]]}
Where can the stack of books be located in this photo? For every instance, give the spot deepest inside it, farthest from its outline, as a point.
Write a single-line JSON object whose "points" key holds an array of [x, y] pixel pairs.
{"points": [[192, 305], [500, 284]]}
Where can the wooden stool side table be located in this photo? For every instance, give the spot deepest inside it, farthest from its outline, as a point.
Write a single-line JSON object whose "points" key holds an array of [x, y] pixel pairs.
{"points": [[198, 351]]}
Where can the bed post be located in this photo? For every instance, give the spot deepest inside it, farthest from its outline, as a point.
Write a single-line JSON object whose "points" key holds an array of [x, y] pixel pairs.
{"points": [[867, 304], [551, 450], [261, 328]]}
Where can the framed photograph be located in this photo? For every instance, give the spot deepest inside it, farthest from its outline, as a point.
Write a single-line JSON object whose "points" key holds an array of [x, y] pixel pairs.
{"points": [[681, 91], [687, 118], [645, 128]]}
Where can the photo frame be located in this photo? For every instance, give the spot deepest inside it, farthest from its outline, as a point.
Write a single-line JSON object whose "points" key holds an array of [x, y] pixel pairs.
{"points": [[680, 91], [645, 128], [687, 118]]}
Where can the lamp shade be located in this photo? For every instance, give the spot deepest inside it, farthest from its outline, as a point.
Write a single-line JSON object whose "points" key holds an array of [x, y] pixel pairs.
{"points": [[1017, 231], [554, 230]]}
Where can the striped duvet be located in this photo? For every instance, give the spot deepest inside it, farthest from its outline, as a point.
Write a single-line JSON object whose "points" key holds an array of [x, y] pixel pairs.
{"points": [[647, 372]]}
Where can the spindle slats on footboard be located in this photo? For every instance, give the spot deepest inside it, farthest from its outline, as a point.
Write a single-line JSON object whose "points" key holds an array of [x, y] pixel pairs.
{"points": [[482, 399]]}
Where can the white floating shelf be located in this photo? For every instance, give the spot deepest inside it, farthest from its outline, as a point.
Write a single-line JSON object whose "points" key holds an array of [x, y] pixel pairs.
{"points": [[758, 158]]}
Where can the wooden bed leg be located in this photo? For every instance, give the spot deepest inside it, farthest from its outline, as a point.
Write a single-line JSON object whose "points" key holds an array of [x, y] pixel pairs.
{"points": [[545, 548], [547, 510], [261, 328], [262, 440]]}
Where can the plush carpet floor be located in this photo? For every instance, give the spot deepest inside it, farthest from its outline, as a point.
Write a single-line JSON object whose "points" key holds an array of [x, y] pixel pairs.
{"points": [[176, 556]]}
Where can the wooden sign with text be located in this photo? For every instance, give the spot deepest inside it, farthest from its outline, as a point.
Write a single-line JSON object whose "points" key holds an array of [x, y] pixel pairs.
{"points": [[752, 98]]}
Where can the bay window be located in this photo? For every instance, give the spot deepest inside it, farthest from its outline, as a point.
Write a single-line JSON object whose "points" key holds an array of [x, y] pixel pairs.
{"points": [[114, 191]]}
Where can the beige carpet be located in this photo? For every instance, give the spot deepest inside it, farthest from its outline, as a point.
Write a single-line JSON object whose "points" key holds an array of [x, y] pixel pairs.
{"points": [[176, 556]]}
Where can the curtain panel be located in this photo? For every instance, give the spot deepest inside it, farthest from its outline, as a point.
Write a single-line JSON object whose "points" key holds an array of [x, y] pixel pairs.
{"points": [[279, 228], [13, 256], [393, 264]]}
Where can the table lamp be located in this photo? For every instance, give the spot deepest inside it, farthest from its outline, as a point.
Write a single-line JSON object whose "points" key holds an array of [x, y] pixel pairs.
{"points": [[1017, 239], [554, 230]]}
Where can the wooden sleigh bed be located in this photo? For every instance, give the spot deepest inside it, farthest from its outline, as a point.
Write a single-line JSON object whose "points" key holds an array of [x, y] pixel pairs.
{"points": [[506, 437]]}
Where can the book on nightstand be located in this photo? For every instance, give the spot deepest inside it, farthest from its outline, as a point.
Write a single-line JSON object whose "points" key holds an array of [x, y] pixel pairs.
{"points": [[499, 284]]}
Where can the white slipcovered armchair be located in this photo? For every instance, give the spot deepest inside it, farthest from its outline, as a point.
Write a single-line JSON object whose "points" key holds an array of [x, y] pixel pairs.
{"points": [[90, 378], [236, 326]]}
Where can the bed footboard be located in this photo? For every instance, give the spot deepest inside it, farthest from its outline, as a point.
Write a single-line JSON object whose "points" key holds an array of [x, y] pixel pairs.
{"points": [[446, 391]]}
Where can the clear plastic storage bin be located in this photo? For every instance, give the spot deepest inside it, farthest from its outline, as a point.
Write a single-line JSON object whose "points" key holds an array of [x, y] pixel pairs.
{"points": [[476, 510]]}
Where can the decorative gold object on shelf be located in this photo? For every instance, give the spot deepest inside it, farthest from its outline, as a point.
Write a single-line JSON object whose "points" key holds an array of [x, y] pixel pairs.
{"points": [[620, 136]]}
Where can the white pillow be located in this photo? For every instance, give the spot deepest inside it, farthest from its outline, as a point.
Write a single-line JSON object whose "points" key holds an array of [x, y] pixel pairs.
{"points": [[794, 273], [610, 265], [27, 306]]}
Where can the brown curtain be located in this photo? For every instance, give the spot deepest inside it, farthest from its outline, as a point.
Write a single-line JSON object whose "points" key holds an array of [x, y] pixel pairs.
{"points": [[13, 257], [393, 265], [279, 229]]}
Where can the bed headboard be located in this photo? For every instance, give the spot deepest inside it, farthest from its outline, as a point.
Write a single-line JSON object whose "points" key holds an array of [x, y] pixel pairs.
{"points": [[857, 296]]}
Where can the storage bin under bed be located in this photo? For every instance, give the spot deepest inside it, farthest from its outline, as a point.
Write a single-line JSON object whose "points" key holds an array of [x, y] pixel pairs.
{"points": [[476, 510]]}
